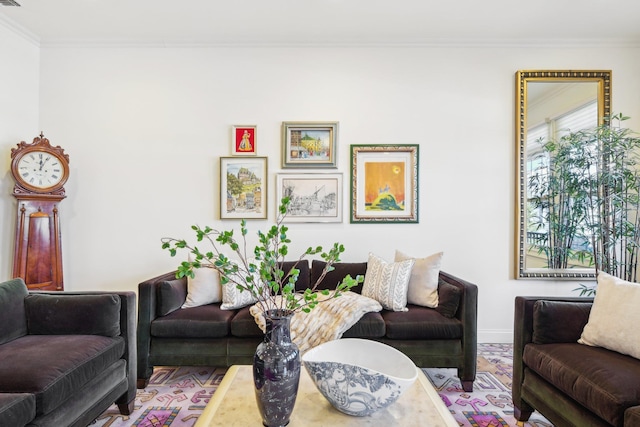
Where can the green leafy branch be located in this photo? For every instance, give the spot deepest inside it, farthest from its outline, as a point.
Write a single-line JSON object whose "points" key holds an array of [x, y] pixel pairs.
{"points": [[261, 274]]}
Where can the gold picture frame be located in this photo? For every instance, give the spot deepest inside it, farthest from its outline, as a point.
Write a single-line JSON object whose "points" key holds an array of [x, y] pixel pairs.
{"points": [[243, 188], [384, 183]]}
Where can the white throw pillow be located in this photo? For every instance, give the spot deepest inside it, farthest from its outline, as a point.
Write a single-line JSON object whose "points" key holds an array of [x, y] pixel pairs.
{"points": [[387, 283], [204, 288], [613, 321], [423, 285]]}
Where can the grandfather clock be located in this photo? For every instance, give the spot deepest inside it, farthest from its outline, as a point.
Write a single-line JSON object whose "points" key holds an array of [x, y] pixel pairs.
{"points": [[40, 172]]}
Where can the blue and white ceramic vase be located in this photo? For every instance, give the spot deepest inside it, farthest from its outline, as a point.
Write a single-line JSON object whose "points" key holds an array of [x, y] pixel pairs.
{"points": [[276, 370]]}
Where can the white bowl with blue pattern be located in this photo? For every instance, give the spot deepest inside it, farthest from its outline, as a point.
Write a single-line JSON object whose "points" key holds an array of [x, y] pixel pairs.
{"points": [[358, 376]]}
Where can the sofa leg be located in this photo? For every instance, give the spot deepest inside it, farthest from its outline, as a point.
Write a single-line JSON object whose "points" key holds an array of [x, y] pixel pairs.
{"points": [[126, 408], [142, 383], [467, 385], [520, 415]]}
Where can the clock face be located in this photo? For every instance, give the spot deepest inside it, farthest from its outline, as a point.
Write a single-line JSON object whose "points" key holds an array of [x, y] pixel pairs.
{"points": [[41, 170]]}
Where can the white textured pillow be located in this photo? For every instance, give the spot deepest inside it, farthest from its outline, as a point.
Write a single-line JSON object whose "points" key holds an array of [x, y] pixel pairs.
{"points": [[387, 283], [614, 318], [233, 298], [204, 288], [423, 285]]}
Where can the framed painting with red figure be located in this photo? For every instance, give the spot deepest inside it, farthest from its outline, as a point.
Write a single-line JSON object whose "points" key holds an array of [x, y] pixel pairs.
{"points": [[244, 140], [384, 183]]}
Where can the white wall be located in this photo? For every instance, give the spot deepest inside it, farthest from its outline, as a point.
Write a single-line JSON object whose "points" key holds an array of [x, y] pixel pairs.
{"points": [[144, 128], [19, 99]]}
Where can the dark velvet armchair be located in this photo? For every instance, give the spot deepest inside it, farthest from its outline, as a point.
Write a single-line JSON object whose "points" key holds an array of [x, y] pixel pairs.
{"points": [[65, 356]]}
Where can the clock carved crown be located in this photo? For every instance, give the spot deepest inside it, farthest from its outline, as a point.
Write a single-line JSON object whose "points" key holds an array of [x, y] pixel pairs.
{"points": [[39, 168]]}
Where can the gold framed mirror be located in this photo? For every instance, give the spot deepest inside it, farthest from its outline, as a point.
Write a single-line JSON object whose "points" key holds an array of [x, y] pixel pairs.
{"points": [[548, 103]]}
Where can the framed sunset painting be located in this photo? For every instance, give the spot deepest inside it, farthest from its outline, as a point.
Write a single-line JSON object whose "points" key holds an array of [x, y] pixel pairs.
{"points": [[384, 183]]}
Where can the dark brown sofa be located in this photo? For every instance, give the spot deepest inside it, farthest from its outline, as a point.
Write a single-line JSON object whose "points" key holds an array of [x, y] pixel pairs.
{"points": [[571, 384], [208, 336], [65, 357]]}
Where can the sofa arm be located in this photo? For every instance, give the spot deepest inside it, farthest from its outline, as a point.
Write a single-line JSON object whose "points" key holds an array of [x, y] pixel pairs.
{"points": [[523, 334], [147, 312], [467, 313]]}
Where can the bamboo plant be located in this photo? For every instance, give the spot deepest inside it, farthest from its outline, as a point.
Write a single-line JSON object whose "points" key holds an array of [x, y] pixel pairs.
{"points": [[591, 193]]}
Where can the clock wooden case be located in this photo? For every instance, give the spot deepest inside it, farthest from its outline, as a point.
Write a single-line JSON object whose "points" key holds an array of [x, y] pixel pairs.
{"points": [[40, 172]]}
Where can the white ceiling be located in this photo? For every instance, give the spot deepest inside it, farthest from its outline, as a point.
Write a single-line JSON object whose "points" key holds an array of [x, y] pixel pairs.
{"points": [[325, 22]]}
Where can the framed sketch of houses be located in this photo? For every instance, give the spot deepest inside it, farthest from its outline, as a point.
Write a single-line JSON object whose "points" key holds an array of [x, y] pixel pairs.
{"points": [[309, 144], [243, 187], [315, 197], [384, 183]]}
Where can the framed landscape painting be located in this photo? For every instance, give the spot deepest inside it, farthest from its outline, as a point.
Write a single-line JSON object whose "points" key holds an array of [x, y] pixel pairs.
{"points": [[315, 197], [243, 187], [384, 183], [309, 145]]}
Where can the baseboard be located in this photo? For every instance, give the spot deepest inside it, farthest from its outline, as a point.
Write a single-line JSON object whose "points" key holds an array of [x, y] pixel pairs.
{"points": [[496, 336]]}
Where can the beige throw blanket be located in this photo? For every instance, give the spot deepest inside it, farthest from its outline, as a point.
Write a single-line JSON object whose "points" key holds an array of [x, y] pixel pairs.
{"points": [[327, 321]]}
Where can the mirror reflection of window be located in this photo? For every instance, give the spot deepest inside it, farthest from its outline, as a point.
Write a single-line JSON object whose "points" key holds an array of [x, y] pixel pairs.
{"points": [[556, 109]]}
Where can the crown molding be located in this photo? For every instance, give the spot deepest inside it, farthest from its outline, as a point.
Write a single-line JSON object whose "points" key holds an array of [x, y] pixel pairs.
{"points": [[19, 30], [427, 43], [435, 43]]}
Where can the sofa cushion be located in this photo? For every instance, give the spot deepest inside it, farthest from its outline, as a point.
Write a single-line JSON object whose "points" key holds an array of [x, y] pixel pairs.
{"points": [[423, 284], [243, 325], [388, 282], [53, 367], [17, 409], [341, 269], [206, 321], [547, 315], [614, 318], [419, 323], [13, 320], [171, 295], [448, 299], [370, 325], [73, 314], [604, 381]]}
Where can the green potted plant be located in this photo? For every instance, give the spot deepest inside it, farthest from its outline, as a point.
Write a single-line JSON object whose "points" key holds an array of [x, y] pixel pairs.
{"points": [[276, 367], [591, 194]]}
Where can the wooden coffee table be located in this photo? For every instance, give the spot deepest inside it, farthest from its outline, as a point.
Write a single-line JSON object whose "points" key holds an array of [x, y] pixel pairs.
{"points": [[234, 404]]}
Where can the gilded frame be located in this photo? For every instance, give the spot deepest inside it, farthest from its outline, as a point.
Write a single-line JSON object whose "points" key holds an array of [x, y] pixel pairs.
{"points": [[523, 77], [384, 183], [243, 187]]}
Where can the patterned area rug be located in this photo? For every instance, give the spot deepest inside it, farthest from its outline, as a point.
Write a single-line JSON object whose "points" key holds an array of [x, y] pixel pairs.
{"points": [[176, 396]]}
